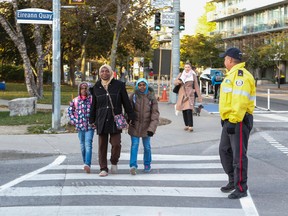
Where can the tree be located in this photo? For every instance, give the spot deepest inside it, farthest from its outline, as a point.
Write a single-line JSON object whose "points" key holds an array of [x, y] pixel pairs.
{"points": [[126, 12], [204, 27], [33, 75], [261, 51], [201, 50]]}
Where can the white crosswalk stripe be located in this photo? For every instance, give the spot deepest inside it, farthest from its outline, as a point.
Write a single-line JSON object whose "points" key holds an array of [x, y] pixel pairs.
{"points": [[270, 117], [166, 188]]}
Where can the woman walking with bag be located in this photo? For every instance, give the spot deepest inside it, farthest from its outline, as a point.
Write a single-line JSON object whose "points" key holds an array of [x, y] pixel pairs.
{"points": [[108, 94], [185, 103]]}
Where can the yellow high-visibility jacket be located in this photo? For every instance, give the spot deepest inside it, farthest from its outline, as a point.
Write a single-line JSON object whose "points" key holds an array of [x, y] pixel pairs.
{"points": [[237, 94]]}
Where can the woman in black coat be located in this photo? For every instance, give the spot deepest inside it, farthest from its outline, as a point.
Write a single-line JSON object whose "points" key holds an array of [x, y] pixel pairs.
{"points": [[101, 115]]}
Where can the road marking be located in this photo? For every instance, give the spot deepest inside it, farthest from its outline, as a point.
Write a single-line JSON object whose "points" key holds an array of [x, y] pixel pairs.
{"points": [[274, 143], [154, 166], [117, 210], [56, 162], [158, 157], [248, 208], [114, 191], [248, 205], [143, 177], [274, 117]]}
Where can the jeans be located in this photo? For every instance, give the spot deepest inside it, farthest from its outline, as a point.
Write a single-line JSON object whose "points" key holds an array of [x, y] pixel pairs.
{"points": [[134, 151], [86, 139]]}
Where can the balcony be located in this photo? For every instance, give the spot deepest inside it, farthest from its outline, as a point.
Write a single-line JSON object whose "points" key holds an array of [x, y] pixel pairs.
{"points": [[241, 9]]}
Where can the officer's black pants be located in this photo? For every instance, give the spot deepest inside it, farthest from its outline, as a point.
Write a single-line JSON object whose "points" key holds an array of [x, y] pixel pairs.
{"points": [[188, 117], [233, 152]]}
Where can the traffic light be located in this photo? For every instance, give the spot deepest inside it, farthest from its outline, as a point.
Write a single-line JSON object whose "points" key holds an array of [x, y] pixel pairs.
{"points": [[157, 22], [181, 21]]}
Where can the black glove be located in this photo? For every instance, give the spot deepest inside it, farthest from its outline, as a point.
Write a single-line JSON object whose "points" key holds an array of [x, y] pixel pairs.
{"points": [[231, 128], [150, 133]]}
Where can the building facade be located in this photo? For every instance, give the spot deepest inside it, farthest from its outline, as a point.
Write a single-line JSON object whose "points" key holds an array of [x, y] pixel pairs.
{"points": [[240, 21]]}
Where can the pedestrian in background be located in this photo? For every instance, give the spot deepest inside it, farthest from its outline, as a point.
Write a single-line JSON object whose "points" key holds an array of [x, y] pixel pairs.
{"points": [[236, 106], [146, 110], [186, 95], [216, 80], [79, 112], [101, 115]]}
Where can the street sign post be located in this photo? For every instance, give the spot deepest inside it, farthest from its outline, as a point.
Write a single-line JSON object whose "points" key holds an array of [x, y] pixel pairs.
{"points": [[34, 16]]}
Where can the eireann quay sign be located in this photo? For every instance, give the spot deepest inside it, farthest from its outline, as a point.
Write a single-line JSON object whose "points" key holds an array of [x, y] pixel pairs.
{"points": [[34, 16]]}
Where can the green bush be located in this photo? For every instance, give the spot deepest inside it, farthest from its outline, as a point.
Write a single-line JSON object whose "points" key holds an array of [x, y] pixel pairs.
{"points": [[11, 73]]}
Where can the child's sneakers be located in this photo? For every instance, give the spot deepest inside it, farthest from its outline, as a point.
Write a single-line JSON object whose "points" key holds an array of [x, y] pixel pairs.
{"points": [[147, 168], [133, 170], [86, 168]]}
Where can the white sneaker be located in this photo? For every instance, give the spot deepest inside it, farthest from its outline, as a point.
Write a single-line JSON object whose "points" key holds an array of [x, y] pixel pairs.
{"points": [[103, 173], [114, 169]]}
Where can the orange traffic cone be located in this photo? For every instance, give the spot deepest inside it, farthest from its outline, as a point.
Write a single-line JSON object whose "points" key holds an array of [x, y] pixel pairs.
{"points": [[164, 95]]}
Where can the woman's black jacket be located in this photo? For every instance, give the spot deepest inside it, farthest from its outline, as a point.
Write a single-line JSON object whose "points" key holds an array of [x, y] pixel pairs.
{"points": [[101, 111]]}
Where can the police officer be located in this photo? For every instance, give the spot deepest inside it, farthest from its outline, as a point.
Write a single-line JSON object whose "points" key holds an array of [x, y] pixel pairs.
{"points": [[236, 106]]}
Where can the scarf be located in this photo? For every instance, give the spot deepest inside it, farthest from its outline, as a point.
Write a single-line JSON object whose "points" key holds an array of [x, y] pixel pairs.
{"points": [[187, 76], [105, 83]]}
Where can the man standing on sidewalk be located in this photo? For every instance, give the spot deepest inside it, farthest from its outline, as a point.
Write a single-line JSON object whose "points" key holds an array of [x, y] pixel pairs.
{"points": [[236, 106]]}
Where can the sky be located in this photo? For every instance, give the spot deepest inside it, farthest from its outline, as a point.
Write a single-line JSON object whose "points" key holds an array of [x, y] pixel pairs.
{"points": [[193, 10]]}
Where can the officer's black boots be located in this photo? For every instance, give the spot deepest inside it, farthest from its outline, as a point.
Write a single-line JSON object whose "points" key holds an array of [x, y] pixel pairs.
{"points": [[228, 188], [237, 194]]}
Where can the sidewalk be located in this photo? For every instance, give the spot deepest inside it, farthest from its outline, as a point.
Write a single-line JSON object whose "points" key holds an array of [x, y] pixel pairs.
{"points": [[273, 88], [206, 128]]}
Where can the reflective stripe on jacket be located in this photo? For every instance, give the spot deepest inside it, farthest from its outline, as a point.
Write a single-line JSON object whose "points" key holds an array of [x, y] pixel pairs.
{"points": [[237, 94]]}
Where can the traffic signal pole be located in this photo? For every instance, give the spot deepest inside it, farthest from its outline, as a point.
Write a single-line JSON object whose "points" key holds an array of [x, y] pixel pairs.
{"points": [[56, 68], [175, 51]]}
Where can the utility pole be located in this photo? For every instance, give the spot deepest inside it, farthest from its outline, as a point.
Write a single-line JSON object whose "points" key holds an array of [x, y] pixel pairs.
{"points": [[175, 51], [56, 69]]}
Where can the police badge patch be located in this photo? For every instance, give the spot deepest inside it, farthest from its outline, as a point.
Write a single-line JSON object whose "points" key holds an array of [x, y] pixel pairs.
{"points": [[239, 82], [240, 73]]}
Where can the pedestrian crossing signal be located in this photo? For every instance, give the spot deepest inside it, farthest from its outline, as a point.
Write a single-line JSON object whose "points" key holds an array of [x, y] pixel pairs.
{"points": [[181, 21], [157, 22], [77, 2]]}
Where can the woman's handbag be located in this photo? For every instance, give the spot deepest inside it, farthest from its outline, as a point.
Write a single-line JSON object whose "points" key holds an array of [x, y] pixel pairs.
{"points": [[176, 89], [119, 119]]}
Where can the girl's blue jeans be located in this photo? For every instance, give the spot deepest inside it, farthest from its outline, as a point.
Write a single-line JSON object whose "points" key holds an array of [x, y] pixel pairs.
{"points": [[86, 139], [134, 151]]}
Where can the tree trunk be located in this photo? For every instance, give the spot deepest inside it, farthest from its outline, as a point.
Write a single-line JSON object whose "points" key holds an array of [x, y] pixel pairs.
{"points": [[17, 37], [116, 35], [40, 60]]}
